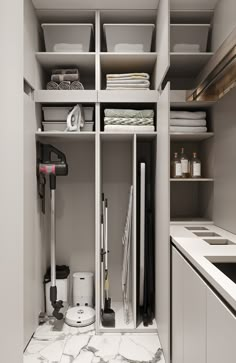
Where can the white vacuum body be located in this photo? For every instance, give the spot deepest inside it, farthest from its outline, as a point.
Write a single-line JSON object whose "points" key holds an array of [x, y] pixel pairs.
{"points": [[80, 316]]}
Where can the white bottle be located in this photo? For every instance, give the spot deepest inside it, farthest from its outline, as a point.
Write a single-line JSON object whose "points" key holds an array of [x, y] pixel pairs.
{"points": [[195, 167], [176, 170], [184, 164]]}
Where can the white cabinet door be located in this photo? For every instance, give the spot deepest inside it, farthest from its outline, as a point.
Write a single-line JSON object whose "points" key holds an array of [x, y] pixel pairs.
{"points": [[162, 41], [162, 223], [194, 317], [177, 307], [221, 331]]}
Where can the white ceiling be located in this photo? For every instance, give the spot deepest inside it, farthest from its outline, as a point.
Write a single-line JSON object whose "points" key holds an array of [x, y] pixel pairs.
{"points": [[193, 4], [95, 4]]}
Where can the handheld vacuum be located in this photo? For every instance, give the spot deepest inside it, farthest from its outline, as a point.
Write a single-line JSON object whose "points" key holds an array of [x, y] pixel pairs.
{"points": [[51, 162]]}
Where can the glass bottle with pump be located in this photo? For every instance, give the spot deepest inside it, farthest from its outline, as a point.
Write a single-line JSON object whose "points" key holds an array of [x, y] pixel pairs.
{"points": [[195, 167], [184, 164], [176, 170]]}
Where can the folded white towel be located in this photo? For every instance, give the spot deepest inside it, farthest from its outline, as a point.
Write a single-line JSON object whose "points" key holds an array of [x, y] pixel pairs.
{"points": [[64, 47], [128, 81], [125, 47], [186, 122], [128, 75], [192, 130], [120, 112], [128, 128], [134, 121], [194, 48], [128, 86], [200, 115]]}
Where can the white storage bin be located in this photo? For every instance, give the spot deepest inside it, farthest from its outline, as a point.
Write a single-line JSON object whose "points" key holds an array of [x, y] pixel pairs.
{"points": [[56, 113], [83, 289], [88, 126], [88, 113], [67, 37], [188, 38], [54, 126], [128, 37], [62, 294]]}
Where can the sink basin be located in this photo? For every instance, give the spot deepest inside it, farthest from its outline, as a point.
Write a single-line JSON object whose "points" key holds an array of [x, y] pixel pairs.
{"points": [[197, 228], [228, 268], [206, 234], [218, 241]]}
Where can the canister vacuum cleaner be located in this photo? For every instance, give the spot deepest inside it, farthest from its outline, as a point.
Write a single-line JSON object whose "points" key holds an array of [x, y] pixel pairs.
{"points": [[52, 163]]}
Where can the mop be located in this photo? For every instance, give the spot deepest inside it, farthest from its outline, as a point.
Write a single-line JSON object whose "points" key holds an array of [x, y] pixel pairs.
{"points": [[107, 314]]}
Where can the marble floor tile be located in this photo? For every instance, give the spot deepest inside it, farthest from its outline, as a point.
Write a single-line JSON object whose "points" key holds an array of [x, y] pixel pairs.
{"points": [[81, 345]]}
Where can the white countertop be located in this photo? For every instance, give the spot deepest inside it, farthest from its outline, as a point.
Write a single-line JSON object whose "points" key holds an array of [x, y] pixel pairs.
{"points": [[195, 249]]}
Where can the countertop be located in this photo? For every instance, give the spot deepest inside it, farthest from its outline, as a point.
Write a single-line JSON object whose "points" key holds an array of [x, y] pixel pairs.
{"points": [[195, 249]]}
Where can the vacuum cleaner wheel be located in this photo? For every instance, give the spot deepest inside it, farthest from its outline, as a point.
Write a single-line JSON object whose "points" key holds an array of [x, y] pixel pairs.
{"points": [[80, 316]]}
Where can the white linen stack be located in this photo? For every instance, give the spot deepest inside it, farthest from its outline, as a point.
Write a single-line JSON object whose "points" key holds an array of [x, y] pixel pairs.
{"points": [[187, 122], [128, 81]]}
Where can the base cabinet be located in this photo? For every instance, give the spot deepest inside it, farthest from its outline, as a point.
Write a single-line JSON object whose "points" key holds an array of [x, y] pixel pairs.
{"points": [[188, 313], [203, 328], [221, 331]]}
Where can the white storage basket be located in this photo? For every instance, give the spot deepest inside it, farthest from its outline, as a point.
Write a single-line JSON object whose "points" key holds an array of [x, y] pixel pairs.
{"points": [[56, 113], [88, 113], [128, 37], [188, 38], [54, 126], [67, 37]]}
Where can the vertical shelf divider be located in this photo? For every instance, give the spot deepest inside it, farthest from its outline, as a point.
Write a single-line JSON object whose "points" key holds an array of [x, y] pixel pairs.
{"points": [[134, 238], [98, 185]]}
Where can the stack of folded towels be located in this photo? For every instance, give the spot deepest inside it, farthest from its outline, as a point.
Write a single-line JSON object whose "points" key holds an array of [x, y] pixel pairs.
{"points": [[65, 79], [129, 81], [189, 122], [122, 120]]}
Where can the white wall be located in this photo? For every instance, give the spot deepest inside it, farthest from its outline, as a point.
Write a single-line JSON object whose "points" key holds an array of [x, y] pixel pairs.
{"points": [[11, 181], [224, 22]]}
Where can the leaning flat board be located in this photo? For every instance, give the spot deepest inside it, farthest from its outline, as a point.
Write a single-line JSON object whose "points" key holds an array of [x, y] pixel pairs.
{"points": [[142, 231]]}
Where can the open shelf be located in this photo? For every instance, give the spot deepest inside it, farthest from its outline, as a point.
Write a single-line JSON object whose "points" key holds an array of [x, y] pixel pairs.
{"points": [[191, 179], [85, 61], [67, 136], [126, 63], [127, 96], [204, 105], [187, 64], [191, 221], [191, 136], [191, 16], [58, 96]]}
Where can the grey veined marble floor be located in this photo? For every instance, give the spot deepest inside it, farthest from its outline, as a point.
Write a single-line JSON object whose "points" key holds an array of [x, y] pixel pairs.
{"points": [[81, 345]]}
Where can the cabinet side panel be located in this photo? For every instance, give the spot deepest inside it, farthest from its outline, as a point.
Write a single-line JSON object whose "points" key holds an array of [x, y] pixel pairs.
{"points": [[225, 160], [162, 224]]}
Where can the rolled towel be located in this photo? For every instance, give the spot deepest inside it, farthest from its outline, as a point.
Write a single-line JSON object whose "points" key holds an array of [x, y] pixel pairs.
{"points": [[66, 71], [52, 86], [191, 130], [64, 77], [128, 121], [200, 115], [116, 112], [64, 86], [186, 122], [76, 85]]}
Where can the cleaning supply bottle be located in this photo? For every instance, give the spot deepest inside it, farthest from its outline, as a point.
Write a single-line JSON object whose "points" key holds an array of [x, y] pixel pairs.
{"points": [[195, 167], [184, 164], [176, 170]]}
